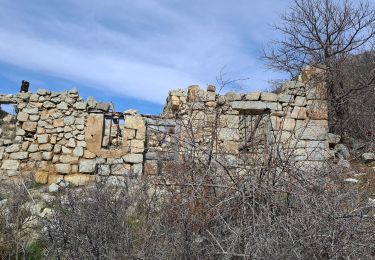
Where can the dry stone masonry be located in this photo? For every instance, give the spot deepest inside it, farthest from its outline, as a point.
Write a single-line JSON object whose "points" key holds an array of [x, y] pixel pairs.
{"points": [[59, 136]]}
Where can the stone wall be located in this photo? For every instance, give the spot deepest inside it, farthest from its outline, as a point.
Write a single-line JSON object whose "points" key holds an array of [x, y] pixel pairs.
{"points": [[60, 136]]}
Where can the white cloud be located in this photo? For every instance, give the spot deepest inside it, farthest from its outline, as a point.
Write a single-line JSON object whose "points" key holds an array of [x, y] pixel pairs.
{"points": [[137, 48]]}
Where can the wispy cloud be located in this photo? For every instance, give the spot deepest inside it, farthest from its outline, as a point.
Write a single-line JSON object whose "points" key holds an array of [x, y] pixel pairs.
{"points": [[139, 49]]}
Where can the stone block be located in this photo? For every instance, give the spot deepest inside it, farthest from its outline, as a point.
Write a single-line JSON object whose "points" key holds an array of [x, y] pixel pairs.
{"points": [[78, 151], [299, 113], [31, 110], [230, 121], [88, 155], [266, 96], [134, 122], [47, 156], [286, 98], [252, 96], [78, 179], [311, 129], [120, 169], [19, 155], [62, 106], [64, 168], [41, 177], [136, 146], [137, 169], [35, 156], [80, 105], [42, 139], [22, 116], [300, 101], [133, 158], [29, 126], [71, 143], [46, 147], [10, 165], [13, 148], [256, 106], [58, 122], [232, 96], [317, 109], [69, 159], [87, 166], [48, 104], [151, 167], [104, 169]]}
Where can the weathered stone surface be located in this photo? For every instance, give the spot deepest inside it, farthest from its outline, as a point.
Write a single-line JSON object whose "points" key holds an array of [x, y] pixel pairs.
{"points": [[13, 148], [311, 130], [342, 151], [53, 188], [368, 157], [87, 166], [62, 106], [133, 158], [227, 134], [63, 168], [46, 147], [31, 110], [68, 159], [47, 156], [299, 113], [134, 122], [71, 143], [120, 169], [232, 96], [10, 165], [104, 169], [136, 146], [22, 116], [78, 179], [41, 177], [286, 98], [265, 96], [49, 104], [19, 155], [255, 106], [80, 105], [42, 139], [69, 120], [300, 101], [78, 151], [29, 126], [252, 96], [88, 155]]}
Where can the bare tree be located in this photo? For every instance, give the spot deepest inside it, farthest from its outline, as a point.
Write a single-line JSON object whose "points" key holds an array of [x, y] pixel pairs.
{"points": [[326, 34]]}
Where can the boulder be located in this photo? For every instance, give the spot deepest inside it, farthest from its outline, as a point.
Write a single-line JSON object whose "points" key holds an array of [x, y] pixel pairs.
{"points": [[342, 151], [333, 139], [368, 157], [53, 188]]}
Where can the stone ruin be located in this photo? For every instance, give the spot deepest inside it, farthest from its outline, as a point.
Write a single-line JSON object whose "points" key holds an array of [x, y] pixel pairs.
{"points": [[59, 136]]}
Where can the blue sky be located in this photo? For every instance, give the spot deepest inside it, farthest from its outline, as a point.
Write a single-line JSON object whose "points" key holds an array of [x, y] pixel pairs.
{"points": [[133, 52]]}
